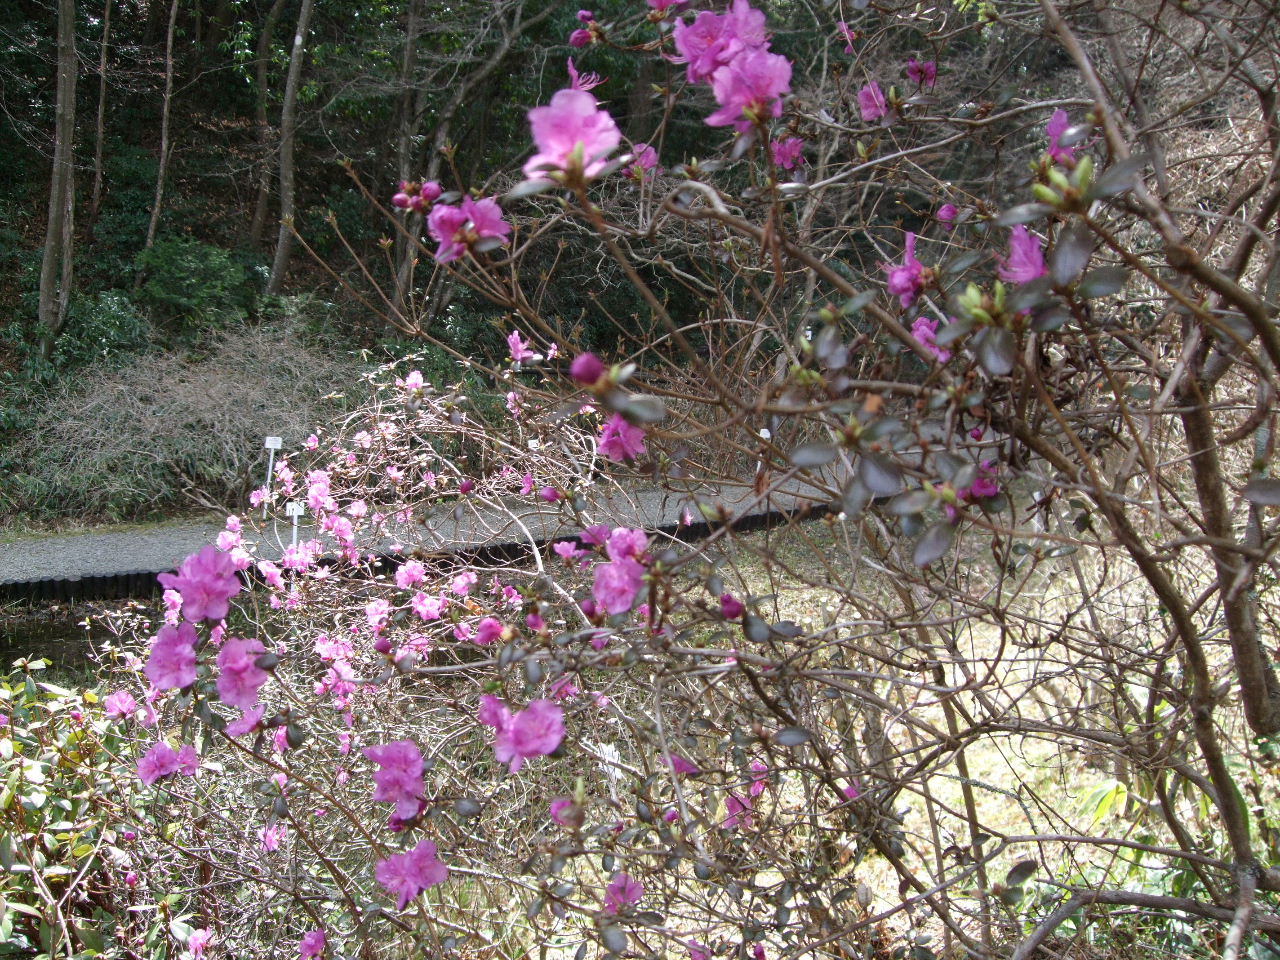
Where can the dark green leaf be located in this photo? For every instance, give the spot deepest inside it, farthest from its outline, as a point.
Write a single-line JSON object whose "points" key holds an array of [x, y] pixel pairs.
{"points": [[792, 736], [1070, 253], [1102, 282], [1021, 872], [1119, 177], [1024, 213], [880, 475], [934, 544], [996, 351], [809, 455]]}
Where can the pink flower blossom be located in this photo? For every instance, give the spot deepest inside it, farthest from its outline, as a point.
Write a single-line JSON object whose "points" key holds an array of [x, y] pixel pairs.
{"points": [[249, 720], [239, 676], [581, 37], [846, 34], [946, 215], [399, 779], [622, 891], [158, 762], [207, 581], [749, 89], [409, 573], [871, 102], [906, 280], [597, 534], [405, 875], [788, 153], [428, 608], [311, 945], [587, 368], [520, 352], [643, 159], [489, 630], [550, 494], [852, 791], [731, 607], [172, 663], [697, 951], [759, 778], [616, 584], [621, 441], [413, 381], [188, 761], [571, 134], [925, 330], [457, 229], [377, 613], [713, 40], [119, 705], [566, 813], [568, 550], [172, 607], [681, 767], [199, 941], [463, 583], [271, 836], [584, 81], [1059, 124], [534, 731], [1026, 258], [739, 812], [922, 74]]}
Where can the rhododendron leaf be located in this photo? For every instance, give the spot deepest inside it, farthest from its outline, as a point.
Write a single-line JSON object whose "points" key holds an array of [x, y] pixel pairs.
{"points": [[1102, 282], [530, 188], [1052, 319], [1029, 296], [1074, 135], [1070, 253], [792, 736], [934, 544], [855, 497], [858, 302], [1264, 491], [639, 408], [1119, 178], [953, 331], [809, 455], [792, 190], [996, 351], [913, 501], [485, 244], [880, 475], [963, 262], [1023, 213], [755, 629], [614, 939], [1020, 873]]}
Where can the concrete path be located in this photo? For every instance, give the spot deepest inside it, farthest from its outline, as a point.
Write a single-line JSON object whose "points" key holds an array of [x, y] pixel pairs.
{"points": [[94, 565]]}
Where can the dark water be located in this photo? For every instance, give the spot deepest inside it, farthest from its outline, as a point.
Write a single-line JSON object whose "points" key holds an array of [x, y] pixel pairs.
{"points": [[53, 633]]}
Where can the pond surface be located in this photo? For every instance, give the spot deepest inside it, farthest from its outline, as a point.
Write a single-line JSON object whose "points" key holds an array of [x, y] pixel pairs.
{"points": [[58, 633]]}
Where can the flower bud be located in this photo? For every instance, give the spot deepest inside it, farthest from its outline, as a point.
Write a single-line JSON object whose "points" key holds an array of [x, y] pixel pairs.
{"points": [[587, 368]]}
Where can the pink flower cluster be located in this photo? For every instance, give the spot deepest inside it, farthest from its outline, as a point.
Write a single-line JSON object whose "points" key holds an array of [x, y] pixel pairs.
{"points": [[163, 761], [405, 875], [573, 137], [416, 196], [1026, 258], [207, 581], [534, 731], [731, 50], [906, 280], [621, 441], [619, 580], [474, 225], [399, 777]]}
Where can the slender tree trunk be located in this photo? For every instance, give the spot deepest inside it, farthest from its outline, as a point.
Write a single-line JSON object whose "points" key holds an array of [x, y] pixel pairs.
{"points": [[406, 250], [288, 131], [56, 264], [100, 129], [265, 137], [163, 169]]}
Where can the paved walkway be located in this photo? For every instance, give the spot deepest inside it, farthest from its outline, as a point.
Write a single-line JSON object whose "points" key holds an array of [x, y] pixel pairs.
{"points": [[118, 563]]}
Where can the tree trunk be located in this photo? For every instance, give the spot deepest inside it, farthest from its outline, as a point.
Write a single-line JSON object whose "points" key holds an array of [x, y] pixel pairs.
{"points": [[288, 131], [56, 264], [100, 129], [165, 111], [263, 60]]}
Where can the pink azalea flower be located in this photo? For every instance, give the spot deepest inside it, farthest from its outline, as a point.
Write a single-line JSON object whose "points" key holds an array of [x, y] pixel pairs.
{"points": [[697, 951], [158, 762], [532, 732], [399, 779], [739, 812], [681, 767], [616, 584], [520, 352], [199, 941], [581, 37], [621, 441], [644, 159], [457, 229], [922, 74], [906, 279], [526, 485], [759, 778], [597, 534], [405, 875], [713, 40], [568, 550], [662, 6], [871, 102], [1026, 258], [428, 608], [571, 134], [749, 89], [852, 792], [925, 330], [414, 380], [188, 761], [272, 835], [587, 368], [409, 573], [622, 891], [463, 583], [787, 153], [584, 81], [731, 607], [239, 676], [311, 945], [1059, 124], [565, 812], [207, 581], [846, 34], [489, 630], [172, 607], [249, 720], [119, 705], [172, 662], [946, 215]]}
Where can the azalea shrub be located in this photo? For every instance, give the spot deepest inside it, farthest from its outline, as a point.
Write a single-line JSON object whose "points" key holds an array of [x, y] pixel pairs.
{"points": [[535, 685]]}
